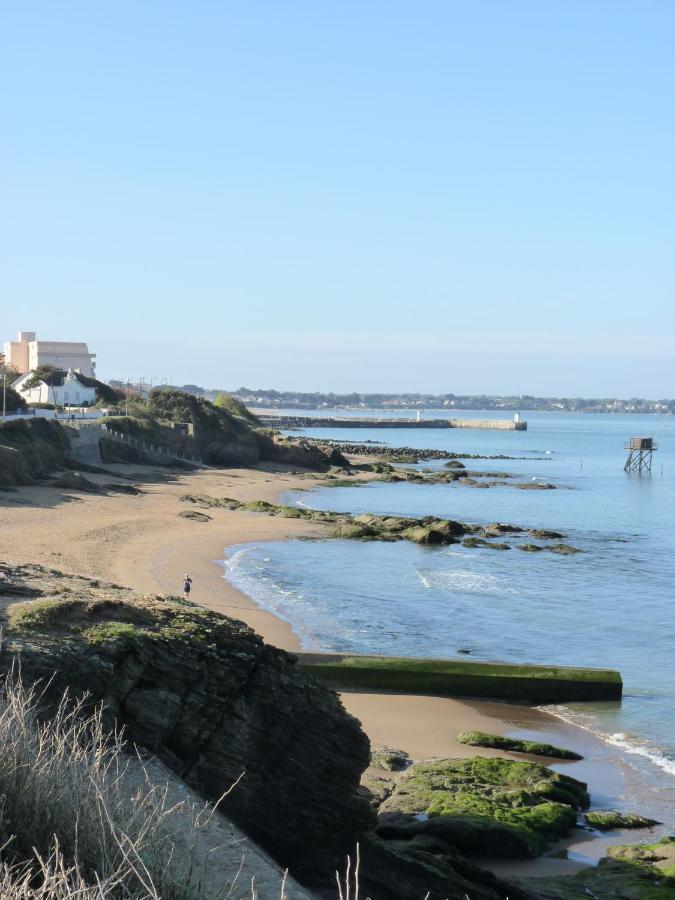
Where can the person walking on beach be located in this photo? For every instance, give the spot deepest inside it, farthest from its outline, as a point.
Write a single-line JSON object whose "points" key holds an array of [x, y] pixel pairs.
{"points": [[187, 585]]}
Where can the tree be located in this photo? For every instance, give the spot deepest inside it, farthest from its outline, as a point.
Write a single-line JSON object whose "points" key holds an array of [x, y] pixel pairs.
{"points": [[12, 400]]}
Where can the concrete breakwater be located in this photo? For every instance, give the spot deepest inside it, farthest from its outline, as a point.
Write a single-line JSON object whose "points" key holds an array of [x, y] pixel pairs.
{"points": [[274, 421], [462, 678]]}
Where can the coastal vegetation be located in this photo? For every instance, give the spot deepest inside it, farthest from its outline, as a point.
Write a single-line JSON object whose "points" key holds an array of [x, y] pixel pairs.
{"points": [[219, 434], [82, 818], [31, 449], [179, 423]]}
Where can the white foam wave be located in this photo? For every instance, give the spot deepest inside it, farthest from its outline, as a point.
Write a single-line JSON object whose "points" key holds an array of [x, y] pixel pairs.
{"points": [[462, 581], [232, 563], [655, 756], [632, 746]]}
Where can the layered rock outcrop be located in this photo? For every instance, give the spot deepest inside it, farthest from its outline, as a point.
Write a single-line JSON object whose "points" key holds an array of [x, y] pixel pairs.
{"points": [[214, 702]]}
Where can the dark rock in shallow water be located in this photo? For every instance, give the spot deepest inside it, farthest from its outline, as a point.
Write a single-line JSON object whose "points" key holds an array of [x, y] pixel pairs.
{"points": [[563, 549], [502, 528], [534, 486], [530, 548], [611, 820], [454, 464], [544, 534], [481, 542]]}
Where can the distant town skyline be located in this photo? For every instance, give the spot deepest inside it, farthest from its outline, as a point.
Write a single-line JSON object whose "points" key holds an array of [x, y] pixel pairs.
{"points": [[457, 196]]}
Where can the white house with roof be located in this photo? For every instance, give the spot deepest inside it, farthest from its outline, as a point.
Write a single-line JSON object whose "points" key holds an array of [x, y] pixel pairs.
{"points": [[60, 389]]}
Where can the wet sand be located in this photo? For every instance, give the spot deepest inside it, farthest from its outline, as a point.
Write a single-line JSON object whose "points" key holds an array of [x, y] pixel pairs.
{"points": [[143, 543]]}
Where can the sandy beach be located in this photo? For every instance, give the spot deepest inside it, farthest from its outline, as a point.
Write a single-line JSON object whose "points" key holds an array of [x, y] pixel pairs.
{"points": [[142, 542]]}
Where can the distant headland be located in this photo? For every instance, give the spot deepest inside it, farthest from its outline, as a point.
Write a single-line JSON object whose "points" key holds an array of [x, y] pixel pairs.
{"points": [[271, 399]]}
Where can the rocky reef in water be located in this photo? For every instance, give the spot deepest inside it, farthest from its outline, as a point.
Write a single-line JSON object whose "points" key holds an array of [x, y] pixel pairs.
{"points": [[371, 527], [407, 454]]}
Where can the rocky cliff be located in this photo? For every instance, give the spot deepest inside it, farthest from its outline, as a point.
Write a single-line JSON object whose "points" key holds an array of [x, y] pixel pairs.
{"points": [[213, 701]]}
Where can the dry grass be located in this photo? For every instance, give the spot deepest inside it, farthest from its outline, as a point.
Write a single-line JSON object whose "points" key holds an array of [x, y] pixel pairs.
{"points": [[77, 820]]}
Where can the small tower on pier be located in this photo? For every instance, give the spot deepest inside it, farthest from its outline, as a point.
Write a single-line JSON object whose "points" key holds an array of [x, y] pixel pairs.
{"points": [[640, 450]]}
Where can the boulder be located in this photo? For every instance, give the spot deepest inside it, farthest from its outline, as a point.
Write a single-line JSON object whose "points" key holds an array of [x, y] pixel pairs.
{"points": [[514, 745], [481, 542], [389, 759], [535, 803], [611, 820]]}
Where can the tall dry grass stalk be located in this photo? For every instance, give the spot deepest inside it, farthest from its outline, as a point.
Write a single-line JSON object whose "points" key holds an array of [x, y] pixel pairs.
{"points": [[81, 819]]}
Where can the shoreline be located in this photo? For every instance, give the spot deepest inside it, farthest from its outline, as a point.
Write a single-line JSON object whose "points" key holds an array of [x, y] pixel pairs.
{"points": [[143, 543]]}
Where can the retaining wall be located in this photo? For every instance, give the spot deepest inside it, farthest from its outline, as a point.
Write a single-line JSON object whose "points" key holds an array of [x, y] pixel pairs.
{"points": [[459, 678]]}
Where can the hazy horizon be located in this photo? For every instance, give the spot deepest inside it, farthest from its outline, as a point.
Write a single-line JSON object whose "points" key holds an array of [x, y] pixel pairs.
{"points": [[455, 197]]}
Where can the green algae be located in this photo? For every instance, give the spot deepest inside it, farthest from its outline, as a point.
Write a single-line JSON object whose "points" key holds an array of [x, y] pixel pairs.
{"points": [[611, 820], [514, 745], [537, 804]]}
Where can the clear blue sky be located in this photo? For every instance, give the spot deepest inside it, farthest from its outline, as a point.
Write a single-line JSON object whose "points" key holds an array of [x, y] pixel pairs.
{"points": [[442, 196]]}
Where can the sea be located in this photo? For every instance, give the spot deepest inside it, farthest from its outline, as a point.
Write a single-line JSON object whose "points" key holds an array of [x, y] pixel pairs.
{"points": [[611, 606]]}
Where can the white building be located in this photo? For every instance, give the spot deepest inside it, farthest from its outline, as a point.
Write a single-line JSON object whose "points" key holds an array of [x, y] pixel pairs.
{"points": [[26, 354], [59, 389]]}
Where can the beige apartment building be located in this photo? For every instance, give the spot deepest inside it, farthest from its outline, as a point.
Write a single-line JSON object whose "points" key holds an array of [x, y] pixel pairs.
{"points": [[26, 354]]}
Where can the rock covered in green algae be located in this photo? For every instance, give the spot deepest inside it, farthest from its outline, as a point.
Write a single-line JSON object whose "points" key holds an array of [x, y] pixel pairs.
{"points": [[460, 832], [611, 820], [481, 542], [514, 745], [660, 855], [389, 759], [632, 872], [538, 804]]}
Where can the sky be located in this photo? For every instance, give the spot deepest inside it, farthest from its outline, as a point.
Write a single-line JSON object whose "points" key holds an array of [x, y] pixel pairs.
{"points": [[386, 196]]}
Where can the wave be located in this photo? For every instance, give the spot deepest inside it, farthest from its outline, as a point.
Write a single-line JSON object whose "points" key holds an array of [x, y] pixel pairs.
{"points": [[630, 745], [232, 563], [463, 581]]}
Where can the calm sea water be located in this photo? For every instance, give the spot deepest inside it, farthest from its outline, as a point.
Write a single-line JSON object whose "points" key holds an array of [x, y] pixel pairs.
{"points": [[611, 606]]}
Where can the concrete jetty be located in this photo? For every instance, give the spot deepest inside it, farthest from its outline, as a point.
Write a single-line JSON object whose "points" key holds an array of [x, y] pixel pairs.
{"points": [[293, 422], [462, 678]]}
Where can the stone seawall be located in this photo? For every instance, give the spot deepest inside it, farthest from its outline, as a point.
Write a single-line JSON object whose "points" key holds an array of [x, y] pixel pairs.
{"points": [[459, 678], [294, 422]]}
